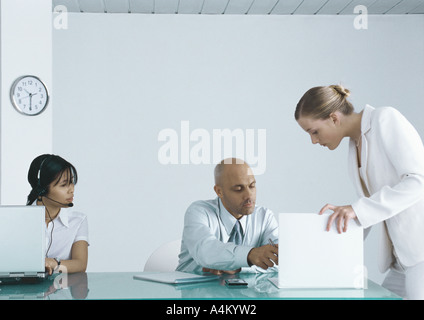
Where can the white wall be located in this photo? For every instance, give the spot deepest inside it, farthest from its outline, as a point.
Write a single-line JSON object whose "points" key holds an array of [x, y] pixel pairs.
{"points": [[121, 79], [25, 48]]}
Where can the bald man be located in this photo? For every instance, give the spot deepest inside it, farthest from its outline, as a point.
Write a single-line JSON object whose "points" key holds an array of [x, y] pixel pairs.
{"points": [[228, 233]]}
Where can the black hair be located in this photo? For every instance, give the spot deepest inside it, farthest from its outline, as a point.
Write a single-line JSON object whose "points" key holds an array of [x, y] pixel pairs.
{"points": [[46, 169]]}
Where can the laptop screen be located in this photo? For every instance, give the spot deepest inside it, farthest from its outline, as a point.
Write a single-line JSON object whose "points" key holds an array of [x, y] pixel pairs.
{"points": [[22, 239]]}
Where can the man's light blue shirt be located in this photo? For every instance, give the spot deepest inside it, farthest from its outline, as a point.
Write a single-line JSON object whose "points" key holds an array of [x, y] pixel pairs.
{"points": [[207, 228]]}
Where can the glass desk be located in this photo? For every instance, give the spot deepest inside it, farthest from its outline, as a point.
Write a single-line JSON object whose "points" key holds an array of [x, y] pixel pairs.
{"points": [[122, 286]]}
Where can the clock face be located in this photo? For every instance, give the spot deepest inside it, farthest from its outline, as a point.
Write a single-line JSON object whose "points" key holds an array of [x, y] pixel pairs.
{"points": [[29, 95]]}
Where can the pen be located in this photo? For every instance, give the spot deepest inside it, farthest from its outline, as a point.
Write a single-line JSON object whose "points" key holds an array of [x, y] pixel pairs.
{"points": [[271, 242]]}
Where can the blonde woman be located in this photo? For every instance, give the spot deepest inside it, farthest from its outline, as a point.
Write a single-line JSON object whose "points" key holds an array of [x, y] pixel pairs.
{"points": [[386, 164]]}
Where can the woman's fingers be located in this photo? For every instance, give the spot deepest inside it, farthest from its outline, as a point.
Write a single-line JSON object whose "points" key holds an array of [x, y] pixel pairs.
{"points": [[341, 216], [327, 207], [331, 220], [346, 222], [342, 219]]}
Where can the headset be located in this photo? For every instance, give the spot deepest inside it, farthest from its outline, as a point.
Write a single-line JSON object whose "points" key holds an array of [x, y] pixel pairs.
{"points": [[41, 191]]}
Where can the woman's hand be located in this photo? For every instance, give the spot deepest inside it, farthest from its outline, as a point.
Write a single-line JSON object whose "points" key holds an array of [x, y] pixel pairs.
{"points": [[341, 216], [51, 265]]}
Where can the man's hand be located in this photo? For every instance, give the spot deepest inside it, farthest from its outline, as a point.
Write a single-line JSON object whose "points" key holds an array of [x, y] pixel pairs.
{"points": [[219, 272], [264, 256]]}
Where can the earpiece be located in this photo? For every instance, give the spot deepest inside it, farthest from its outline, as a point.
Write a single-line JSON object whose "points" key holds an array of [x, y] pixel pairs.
{"points": [[40, 190]]}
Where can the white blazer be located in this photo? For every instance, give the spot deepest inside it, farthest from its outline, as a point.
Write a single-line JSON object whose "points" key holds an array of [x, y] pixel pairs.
{"points": [[392, 159]]}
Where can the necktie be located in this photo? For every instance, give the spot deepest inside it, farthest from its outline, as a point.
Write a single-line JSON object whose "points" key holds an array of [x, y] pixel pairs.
{"points": [[236, 234]]}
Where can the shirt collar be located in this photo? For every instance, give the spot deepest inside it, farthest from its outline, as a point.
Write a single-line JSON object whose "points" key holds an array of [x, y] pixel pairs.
{"points": [[229, 220], [63, 215], [366, 119]]}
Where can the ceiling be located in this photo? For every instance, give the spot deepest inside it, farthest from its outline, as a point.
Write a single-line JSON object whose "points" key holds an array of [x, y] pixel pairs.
{"points": [[282, 7]]}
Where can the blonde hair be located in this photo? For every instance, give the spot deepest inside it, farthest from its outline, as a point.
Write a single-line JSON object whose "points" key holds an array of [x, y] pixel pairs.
{"points": [[320, 102]]}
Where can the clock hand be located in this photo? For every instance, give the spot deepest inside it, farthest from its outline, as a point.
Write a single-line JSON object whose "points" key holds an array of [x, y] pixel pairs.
{"points": [[30, 94]]}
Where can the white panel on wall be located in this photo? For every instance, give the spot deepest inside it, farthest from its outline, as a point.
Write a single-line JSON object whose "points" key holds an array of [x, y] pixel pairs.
{"points": [[22, 138]]}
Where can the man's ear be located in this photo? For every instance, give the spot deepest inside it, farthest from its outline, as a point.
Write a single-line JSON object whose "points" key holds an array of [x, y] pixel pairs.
{"points": [[218, 191]]}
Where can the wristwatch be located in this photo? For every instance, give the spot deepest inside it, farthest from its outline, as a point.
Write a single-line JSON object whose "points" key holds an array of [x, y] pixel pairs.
{"points": [[58, 262]]}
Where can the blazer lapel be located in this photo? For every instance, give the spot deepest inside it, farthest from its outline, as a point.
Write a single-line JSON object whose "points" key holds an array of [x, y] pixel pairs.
{"points": [[365, 127], [353, 157]]}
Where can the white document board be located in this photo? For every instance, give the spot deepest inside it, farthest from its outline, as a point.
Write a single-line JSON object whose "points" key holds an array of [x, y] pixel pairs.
{"points": [[311, 257]]}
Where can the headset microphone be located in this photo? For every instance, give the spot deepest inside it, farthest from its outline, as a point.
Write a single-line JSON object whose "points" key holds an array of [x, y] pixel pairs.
{"points": [[63, 204]]}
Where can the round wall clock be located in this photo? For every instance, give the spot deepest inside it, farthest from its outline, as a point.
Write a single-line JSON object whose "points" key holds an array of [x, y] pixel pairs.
{"points": [[29, 95]]}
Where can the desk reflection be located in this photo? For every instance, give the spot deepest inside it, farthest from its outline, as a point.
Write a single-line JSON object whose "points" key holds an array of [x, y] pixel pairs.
{"points": [[258, 287], [60, 286], [122, 285]]}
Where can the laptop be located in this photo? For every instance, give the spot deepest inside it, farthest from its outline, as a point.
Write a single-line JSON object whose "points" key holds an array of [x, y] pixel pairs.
{"points": [[175, 277], [22, 243], [311, 257]]}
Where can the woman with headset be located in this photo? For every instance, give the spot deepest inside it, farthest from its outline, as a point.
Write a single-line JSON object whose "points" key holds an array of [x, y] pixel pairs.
{"points": [[53, 179], [386, 164]]}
